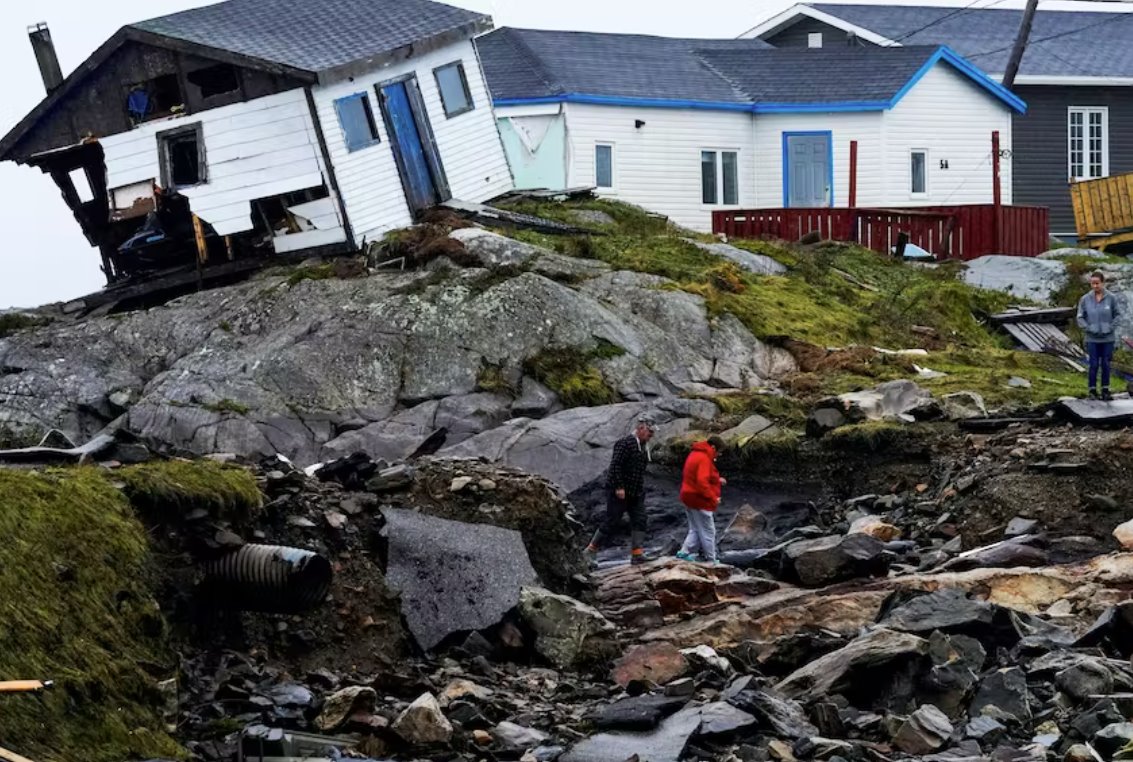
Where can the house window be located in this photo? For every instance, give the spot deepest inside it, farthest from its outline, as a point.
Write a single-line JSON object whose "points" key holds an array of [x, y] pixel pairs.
{"points": [[720, 177], [215, 80], [918, 172], [154, 99], [814, 40], [604, 166], [81, 180], [357, 120], [453, 85], [182, 157], [1089, 142]]}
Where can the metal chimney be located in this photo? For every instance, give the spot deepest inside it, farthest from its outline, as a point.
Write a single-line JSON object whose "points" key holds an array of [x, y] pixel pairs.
{"points": [[44, 48]]}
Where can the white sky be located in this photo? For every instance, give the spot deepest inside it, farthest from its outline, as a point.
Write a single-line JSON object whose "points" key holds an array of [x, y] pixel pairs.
{"points": [[43, 255]]}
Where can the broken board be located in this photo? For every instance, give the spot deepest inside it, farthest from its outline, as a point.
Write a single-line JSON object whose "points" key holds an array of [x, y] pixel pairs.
{"points": [[1114, 413], [1043, 337], [490, 215]]}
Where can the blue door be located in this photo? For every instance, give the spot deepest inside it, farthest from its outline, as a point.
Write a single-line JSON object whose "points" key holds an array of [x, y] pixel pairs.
{"points": [[807, 173], [420, 188]]}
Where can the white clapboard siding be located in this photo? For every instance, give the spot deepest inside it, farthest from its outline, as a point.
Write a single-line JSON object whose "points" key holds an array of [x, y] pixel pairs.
{"points": [[952, 118], [469, 144], [864, 127], [657, 166], [256, 149]]}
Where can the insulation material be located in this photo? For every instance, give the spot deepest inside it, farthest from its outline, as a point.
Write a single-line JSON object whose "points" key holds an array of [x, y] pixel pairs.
{"points": [[320, 214], [533, 129]]}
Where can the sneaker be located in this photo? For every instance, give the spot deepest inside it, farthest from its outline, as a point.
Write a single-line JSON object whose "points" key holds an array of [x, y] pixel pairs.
{"points": [[685, 556], [637, 559], [1093, 395], [1106, 395]]}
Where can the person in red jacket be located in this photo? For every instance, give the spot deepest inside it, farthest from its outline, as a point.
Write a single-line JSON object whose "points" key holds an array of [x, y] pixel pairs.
{"points": [[700, 493]]}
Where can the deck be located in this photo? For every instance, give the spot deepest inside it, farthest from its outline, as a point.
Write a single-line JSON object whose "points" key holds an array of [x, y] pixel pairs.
{"points": [[947, 232]]}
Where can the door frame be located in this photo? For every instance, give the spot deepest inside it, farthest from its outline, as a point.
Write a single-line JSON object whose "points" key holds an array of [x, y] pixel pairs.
{"points": [[424, 132], [829, 135]]}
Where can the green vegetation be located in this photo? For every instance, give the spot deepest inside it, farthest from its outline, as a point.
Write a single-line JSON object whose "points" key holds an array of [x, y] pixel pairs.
{"points": [[74, 571], [571, 373], [227, 406], [310, 272], [167, 490], [492, 378], [11, 322], [870, 435]]}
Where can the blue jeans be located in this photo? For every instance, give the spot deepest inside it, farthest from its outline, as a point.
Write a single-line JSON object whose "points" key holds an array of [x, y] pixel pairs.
{"points": [[1100, 355]]}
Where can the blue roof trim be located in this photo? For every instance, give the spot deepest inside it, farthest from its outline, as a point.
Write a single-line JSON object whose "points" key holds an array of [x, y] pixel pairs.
{"points": [[958, 62], [943, 53]]}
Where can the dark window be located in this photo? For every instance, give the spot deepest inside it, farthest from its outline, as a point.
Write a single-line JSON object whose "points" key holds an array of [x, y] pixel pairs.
{"points": [[357, 120], [708, 177], [604, 166], [215, 80], [154, 99], [729, 161], [182, 157], [918, 181], [453, 85]]}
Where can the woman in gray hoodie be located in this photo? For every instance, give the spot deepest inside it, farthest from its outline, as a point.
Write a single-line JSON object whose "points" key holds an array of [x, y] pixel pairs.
{"points": [[1097, 317]]}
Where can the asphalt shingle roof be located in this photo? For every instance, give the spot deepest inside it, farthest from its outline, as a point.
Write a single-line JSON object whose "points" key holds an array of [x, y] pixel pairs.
{"points": [[522, 64], [1086, 43], [313, 35]]}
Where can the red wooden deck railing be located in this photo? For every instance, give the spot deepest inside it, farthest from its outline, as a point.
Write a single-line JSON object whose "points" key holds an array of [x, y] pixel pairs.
{"points": [[949, 232]]}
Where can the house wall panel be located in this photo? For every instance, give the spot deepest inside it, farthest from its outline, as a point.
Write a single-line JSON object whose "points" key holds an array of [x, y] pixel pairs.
{"points": [[657, 166], [469, 144]]}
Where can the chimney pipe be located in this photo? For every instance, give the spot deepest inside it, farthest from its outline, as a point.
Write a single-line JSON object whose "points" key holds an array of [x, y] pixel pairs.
{"points": [[44, 49]]}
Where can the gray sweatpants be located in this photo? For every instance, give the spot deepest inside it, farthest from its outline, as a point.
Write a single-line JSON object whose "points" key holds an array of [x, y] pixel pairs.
{"points": [[701, 534]]}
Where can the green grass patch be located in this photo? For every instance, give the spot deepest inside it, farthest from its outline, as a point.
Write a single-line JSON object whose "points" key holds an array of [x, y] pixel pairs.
{"points": [[167, 490], [783, 410], [871, 436], [11, 322], [227, 406], [77, 609], [310, 272], [571, 374], [492, 378]]}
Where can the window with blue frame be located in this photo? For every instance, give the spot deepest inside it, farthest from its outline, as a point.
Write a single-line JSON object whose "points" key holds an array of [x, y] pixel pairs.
{"points": [[357, 120]]}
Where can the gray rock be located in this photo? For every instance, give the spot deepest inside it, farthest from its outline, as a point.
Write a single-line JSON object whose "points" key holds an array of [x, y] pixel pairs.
{"points": [[569, 633], [949, 610], [423, 722], [535, 400], [722, 719], [1022, 277], [391, 479], [516, 736], [638, 712], [752, 426], [926, 730], [665, 744], [592, 217], [960, 406], [785, 717], [1085, 679], [1006, 690], [453, 577], [760, 264], [1112, 738], [1020, 526], [824, 420], [827, 560], [828, 674], [492, 250], [339, 706], [985, 730]]}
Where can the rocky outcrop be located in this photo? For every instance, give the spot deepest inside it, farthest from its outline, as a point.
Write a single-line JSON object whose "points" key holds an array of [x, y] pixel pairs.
{"points": [[319, 368]]}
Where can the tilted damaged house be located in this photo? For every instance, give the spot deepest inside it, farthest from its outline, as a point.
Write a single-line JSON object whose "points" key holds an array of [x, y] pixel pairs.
{"points": [[265, 126], [686, 127], [1076, 77]]}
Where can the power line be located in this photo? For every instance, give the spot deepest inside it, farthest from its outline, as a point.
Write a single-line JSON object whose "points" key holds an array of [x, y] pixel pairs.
{"points": [[970, 6]]}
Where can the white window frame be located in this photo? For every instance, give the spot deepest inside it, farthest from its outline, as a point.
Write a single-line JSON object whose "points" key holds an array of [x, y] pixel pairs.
{"points": [[720, 177], [612, 187], [814, 40], [1086, 112], [927, 187]]}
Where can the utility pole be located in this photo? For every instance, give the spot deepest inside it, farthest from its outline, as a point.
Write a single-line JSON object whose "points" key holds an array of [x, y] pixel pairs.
{"points": [[1020, 44]]}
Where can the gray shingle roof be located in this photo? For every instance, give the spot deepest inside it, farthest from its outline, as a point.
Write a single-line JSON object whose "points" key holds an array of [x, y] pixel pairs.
{"points": [[524, 64], [1085, 43], [313, 35], [803, 75]]}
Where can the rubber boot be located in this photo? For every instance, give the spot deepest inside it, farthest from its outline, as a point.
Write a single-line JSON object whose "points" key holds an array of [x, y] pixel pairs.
{"points": [[1106, 394], [637, 555]]}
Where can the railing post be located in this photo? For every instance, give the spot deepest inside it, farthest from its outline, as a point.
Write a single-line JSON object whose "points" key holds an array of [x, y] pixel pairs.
{"points": [[853, 174], [996, 193]]}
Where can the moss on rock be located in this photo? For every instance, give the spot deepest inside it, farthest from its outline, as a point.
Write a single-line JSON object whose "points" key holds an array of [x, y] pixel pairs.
{"points": [[167, 490]]}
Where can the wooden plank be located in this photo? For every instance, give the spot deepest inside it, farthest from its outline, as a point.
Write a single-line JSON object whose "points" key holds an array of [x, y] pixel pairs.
{"points": [[202, 245], [11, 756]]}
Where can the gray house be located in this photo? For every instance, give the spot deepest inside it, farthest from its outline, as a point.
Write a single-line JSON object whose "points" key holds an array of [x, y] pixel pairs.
{"points": [[1076, 78]]}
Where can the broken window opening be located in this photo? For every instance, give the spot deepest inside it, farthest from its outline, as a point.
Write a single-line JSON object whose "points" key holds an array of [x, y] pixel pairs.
{"points": [[215, 80], [154, 99], [182, 157]]}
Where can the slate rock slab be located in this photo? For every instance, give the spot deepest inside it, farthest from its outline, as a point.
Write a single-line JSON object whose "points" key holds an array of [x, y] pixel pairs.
{"points": [[637, 713], [948, 610], [1006, 690], [722, 719], [785, 717], [453, 577], [665, 744]]}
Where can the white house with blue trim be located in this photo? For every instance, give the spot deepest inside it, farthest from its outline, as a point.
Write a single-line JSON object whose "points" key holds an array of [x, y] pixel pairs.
{"points": [[684, 127]]}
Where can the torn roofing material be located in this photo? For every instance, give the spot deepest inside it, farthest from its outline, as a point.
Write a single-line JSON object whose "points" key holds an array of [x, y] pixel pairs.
{"points": [[531, 66]]}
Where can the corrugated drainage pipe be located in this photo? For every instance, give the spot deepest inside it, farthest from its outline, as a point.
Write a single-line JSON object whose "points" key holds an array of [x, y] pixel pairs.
{"points": [[270, 578]]}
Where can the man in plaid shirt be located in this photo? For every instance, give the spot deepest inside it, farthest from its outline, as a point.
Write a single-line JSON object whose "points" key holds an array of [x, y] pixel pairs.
{"points": [[625, 490]]}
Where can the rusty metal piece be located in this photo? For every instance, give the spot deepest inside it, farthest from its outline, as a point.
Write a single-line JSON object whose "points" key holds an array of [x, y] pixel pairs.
{"points": [[269, 578]]}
